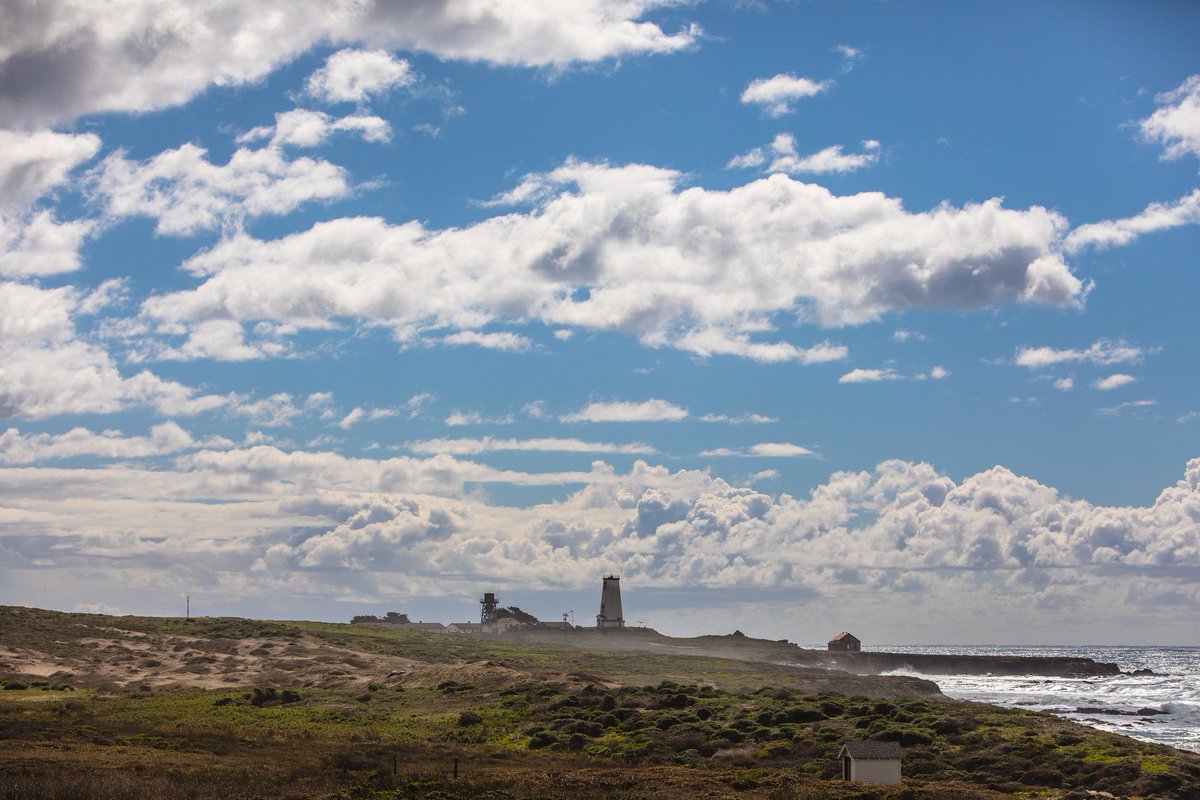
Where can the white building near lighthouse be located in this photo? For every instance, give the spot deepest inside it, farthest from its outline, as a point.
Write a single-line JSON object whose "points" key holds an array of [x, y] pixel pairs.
{"points": [[610, 616]]}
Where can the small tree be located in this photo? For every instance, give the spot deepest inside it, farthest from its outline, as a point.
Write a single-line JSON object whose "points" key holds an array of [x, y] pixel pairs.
{"points": [[363, 619], [396, 618], [517, 614]]}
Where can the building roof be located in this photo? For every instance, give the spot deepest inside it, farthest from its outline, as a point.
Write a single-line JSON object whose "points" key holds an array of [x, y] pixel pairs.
{"points": [[422, 626], [844, 637], [873, 749]]}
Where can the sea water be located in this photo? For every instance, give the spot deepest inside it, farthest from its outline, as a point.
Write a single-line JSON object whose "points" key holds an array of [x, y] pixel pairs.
{"points": [[1119, 703]]}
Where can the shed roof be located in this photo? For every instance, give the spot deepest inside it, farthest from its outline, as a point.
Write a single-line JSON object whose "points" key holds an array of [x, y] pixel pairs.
{"points": [[873, 749], [844, 637]]}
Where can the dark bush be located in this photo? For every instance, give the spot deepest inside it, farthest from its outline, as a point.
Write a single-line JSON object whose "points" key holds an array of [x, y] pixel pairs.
{"points": [[468, 718], [541, 740]]}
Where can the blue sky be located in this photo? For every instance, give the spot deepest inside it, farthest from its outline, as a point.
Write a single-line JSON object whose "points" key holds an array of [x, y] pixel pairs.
{"points": [[800, 316]]}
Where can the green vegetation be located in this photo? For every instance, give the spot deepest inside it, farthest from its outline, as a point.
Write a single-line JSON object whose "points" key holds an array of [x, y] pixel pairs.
{"points": [[223, 708]]}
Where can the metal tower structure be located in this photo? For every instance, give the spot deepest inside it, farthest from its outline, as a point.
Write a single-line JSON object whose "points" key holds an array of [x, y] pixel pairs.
{"points": [[610, 616], [490, 604]]}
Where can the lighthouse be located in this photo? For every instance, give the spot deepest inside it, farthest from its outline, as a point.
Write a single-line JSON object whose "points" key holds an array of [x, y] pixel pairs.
{"points": [[610, 616]]}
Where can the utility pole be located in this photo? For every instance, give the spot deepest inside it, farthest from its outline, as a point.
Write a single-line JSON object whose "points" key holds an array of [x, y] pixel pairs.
{"points": [[188, 600]]}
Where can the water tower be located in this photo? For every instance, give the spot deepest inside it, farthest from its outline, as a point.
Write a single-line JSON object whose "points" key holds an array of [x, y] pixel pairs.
{"points": [[610, 616], [489, 602]]}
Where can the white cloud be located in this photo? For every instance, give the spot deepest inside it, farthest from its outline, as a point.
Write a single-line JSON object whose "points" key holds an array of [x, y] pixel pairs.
{"points": [[1065, 384], [1114, 381], [487, 444], [169, 437], [502, 340], [418, 403], [938, 373], [65, 58], [654, 261], [458, 418], [763, 450], [901, 335], [784, 157], [1104, 352], [222, 339], [1118, 232], [1177, 123], [302, 127], [358, 414], [870, 376], [187, 193], [1129, 406], [32, 164], [851, 56], [353, 417], [353, 76], [777, 94], [619, 411], [274, 411], [47, 370], [740, 419], [318, 525]]}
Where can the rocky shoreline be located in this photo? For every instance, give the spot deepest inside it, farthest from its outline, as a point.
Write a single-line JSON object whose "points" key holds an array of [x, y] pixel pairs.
{"points": [[874, 663]]}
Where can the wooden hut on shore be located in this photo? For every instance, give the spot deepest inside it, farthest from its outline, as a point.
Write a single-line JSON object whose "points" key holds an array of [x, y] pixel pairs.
{"points": [[872, 762], [845, 642]]}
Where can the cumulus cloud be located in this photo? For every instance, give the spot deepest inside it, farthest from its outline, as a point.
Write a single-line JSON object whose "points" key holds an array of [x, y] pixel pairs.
{"points": [[169, 437], [33, 164], [46, 369], [501, 340], [654, 410], [1117, 232], [1114, 381], [1104, 352], [1176, 124], [938, 373], [62, 59], [302, 127], [353, 76], [782, 156], [487, 444], [625, 249], [275, 411], [778, 94], [322, 525], [187, 193], [870, 376], [1065, 384]]}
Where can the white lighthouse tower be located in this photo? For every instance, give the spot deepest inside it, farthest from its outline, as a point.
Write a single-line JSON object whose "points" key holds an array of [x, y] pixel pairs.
{"points": [[610, 616]]}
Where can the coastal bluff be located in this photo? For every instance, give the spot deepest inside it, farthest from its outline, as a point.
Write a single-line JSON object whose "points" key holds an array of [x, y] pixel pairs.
{"points": [[875, 663]]}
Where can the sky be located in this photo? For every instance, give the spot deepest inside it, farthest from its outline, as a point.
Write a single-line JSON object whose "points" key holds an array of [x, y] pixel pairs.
{"points": [[801, 317]]}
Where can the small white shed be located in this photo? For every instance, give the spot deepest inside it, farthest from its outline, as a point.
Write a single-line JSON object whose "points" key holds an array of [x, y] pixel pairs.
{"points": [[871, 762]]}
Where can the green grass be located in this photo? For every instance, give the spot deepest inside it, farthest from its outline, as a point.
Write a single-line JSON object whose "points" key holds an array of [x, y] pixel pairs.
{"points": [[712, 726]]}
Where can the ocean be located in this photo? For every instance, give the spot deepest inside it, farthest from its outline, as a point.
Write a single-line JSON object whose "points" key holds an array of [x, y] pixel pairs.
{"points": [[1162, 708]]}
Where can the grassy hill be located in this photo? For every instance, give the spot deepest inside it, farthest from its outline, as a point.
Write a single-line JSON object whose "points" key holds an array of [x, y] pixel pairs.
{"points": [[134, 707]]}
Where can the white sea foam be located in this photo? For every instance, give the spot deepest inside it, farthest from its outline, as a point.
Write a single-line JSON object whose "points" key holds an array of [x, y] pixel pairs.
{"points": [[1119, 703]]}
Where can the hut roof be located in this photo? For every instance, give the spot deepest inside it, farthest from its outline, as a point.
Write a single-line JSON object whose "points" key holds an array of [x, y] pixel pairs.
{"points": [[844, 637], [873, 749]]}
